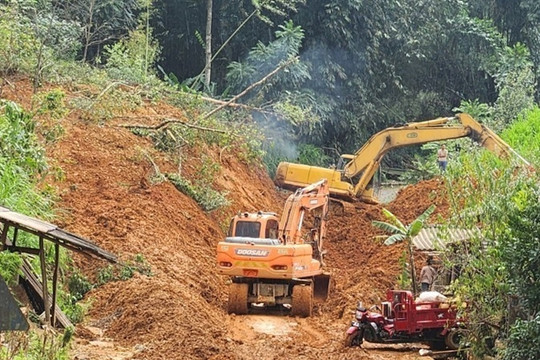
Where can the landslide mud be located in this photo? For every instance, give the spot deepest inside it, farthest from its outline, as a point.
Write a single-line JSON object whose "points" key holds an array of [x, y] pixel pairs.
{"points": [[179, 312]]}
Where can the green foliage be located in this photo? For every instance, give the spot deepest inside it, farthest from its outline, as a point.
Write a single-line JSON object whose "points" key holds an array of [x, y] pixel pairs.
{"points": [[524, 136], [489, 202], [523, 340], [406, 233], [423, 168], [124, 271], [479, 111], [519, 248], [45, 345], [275, 7], [10, 265], [105, 275], [262, 59], [51, 103], [75, 74], [208, 198], [78, 285], [108, 103], [18, 46], [21, 159], [132, 59], [101, 22], [75, 311], [70, 302], [51, 108], [311, 155], [298, 114], [404, 277], [398, 229], [18, 142], [276, 152], [515, 82]]}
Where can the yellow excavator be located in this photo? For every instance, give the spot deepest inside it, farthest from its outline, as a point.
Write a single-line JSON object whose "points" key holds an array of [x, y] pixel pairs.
{"points": [[352, 177]]}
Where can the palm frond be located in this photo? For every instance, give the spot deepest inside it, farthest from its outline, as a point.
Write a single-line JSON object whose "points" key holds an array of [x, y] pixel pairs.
{"points": [[393, 239], [415, 228], [393, 219], [426, 213], [388, 227]]}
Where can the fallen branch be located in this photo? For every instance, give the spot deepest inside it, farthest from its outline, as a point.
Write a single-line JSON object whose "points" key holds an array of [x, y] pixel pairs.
{"points": [[255, 84], [167, 123], [237, 105]]}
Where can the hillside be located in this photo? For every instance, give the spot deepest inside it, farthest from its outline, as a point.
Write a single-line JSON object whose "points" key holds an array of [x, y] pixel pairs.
{"points": [[178, 312]]}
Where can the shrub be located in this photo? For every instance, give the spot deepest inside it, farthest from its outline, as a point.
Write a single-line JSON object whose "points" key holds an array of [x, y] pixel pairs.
{"points": [[523, 341], [18, 46], [78, 285], [10, 265], [208, 198], [130, 59]]}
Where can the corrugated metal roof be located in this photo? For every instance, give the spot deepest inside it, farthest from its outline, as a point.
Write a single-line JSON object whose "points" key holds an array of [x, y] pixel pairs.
{"points": [[435, 237], [53, 233]]}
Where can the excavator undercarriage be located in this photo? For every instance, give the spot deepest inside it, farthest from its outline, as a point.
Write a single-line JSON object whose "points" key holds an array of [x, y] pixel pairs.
{"points": [[296, 294]]}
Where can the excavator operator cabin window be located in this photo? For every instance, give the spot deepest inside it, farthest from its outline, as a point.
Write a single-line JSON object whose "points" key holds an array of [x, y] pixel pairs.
{"points": [[271, 229], [250, 229]]}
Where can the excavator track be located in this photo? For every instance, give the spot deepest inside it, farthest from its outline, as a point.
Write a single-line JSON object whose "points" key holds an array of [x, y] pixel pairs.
{"points": [[302, 301], [238, 299]]}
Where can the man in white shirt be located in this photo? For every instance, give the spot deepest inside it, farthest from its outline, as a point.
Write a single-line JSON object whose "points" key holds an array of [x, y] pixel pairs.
{"points": [[442, 157]]}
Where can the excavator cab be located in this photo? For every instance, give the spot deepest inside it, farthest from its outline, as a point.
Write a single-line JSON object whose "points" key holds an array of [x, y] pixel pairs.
{"points": [[262, 225]]}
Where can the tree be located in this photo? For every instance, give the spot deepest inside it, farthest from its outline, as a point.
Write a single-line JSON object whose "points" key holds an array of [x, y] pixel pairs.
{"points": [[404, 233], [102, 21], [208, 45]]}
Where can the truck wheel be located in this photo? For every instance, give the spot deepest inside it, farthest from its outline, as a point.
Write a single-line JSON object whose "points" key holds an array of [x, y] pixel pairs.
{"points": [[302, 301], [353, 339], [453, 338], [238, 295]]}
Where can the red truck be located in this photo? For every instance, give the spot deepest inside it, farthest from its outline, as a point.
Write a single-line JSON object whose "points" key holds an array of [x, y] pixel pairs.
{"points": [[404, 320]]}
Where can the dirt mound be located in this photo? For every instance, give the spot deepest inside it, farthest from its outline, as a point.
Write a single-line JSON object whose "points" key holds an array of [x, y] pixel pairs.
{"points": [[413, 200], [104, 178], [106, 195]]}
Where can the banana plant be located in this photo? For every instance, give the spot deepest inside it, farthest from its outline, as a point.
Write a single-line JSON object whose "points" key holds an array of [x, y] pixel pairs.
{"points": [[406, 233]]}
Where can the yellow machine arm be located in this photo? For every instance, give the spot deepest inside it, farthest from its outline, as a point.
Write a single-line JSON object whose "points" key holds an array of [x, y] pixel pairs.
{"points": [[365, 162]]}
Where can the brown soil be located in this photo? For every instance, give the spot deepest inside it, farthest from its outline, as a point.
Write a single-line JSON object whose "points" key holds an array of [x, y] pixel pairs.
{"points": [[179, 312]]}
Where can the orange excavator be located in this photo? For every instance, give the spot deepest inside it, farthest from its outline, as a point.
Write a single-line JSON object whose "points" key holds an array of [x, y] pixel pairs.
{"points": [[278, 262]]}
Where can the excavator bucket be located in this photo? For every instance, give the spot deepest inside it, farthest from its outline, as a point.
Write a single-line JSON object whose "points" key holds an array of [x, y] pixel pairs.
{"points": [[341, 207], [321, 286]]}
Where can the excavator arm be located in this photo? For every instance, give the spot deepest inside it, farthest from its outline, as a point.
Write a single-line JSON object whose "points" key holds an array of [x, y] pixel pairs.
{"points": [[311, 198], [367, 160], [354, 179]]}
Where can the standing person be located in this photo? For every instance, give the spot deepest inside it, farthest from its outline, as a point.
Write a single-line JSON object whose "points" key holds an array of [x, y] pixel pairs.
{"points": [[442, 157], [427, 275]]}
